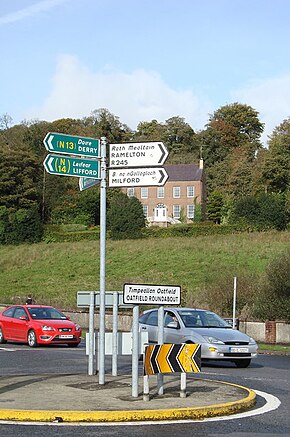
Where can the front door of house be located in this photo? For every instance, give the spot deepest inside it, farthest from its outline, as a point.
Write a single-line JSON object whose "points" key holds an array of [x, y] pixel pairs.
{"points": [[160, 213]]}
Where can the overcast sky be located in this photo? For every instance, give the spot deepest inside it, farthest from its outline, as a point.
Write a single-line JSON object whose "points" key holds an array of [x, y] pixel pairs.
{"points": [[144, 59]]}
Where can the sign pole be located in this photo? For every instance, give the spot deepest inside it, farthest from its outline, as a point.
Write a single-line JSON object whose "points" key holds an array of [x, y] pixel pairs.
{"points": [[91, 334], [160, 387], [135, 351], [234, 302], [102, 262], [183, 385], [115, 334]]}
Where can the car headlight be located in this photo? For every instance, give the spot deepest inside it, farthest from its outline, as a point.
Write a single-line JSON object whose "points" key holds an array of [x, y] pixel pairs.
{"points": [[252, 341], [47, 328], [212, 340], [78, 328]]}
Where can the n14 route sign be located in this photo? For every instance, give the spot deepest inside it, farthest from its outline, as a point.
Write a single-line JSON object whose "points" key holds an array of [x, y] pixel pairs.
{"points": [[137, 154], [70, 166], [137, 177], [72, 145]]}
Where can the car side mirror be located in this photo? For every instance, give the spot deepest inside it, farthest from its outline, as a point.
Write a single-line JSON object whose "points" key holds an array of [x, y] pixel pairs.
{"points": [[173, 325], [23, 318]]}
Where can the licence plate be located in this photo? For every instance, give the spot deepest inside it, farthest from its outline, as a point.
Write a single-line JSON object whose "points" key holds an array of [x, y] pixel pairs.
{"points": [[66, 336], [239, 349]]}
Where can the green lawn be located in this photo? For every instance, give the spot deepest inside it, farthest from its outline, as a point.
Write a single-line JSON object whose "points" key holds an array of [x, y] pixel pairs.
{"points": [[274, 347], [54, 272]]}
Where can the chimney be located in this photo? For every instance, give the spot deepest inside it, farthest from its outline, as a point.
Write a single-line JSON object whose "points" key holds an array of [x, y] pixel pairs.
{"points": [[201, 163]]}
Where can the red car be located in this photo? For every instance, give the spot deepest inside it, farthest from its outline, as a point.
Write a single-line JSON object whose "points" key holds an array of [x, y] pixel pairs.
{"points": [[38, 324]]}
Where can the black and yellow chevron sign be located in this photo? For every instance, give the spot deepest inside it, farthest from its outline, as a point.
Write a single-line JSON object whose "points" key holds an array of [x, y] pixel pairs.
{"points": [[171, 358]]}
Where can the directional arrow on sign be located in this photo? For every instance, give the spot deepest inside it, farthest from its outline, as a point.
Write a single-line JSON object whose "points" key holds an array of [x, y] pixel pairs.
{"points": [[72, 145], [137, 154], [172, 358], [137, 177]]}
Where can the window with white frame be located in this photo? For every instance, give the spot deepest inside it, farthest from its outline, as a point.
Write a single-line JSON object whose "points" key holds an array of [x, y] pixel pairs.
{"points": [[190, 191], [145, 210], [144, 193], [160, 192], [176, 192], [130, 192], [190, 211], [176, 211]]}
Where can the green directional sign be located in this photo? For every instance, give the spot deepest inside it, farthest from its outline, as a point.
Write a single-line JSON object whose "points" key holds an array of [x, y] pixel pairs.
{"points": [[85, 183], [72, 145], [70, 166]]}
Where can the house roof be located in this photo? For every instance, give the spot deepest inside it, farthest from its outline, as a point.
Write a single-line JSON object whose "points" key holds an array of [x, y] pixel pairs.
{"points": [[183, 172]]}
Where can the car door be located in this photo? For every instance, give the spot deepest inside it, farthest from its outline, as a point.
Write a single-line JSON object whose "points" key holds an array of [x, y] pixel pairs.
{"points": [[7, 322], [20, 323], [150, 325], [171, 334]]}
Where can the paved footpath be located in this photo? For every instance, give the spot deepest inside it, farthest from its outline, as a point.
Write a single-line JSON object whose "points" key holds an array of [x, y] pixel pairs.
{"points": [[80, 398]]}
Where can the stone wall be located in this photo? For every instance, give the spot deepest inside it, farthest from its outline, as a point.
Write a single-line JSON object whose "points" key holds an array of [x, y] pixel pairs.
{"points": [[270, 332]]}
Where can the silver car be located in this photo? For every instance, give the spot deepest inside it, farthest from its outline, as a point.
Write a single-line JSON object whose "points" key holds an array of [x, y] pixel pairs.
{"points": [[187, 325]]}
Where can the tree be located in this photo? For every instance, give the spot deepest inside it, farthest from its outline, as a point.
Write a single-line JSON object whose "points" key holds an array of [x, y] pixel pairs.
{"points": [[273, 297], [103, 123], [5, 121], [276, 166], [178, 134], [214, 207], [150, 131], [20, 175], [230, 143], [264, 211], [244, 119], [125, 217]]}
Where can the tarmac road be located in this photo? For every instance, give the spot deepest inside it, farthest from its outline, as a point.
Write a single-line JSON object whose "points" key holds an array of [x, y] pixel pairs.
{"points": [[267, 374]]}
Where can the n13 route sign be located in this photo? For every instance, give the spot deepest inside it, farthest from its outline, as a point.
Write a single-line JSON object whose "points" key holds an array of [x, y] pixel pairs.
{"points": [[70, 166], [72, 145], [137, 154], [137, 177]]}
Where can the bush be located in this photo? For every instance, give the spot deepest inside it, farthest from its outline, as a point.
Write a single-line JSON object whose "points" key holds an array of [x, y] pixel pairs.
{"points": [[21, 226], [125, 217], [192, 230], [273, 299], [70, 233], [266, 211], [4, 223], [219, 297]]}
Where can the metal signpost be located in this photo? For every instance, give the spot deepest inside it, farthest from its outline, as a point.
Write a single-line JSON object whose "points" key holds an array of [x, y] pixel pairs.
{"points": [[102, 326], [147, 294], [72, 145], [91, 299], [91, 165], [71, 166]]}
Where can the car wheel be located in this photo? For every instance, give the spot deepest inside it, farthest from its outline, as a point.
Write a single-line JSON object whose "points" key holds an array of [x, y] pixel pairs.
{"points": [[73, 344], [242, 363], [2, 339], [31, 338]]}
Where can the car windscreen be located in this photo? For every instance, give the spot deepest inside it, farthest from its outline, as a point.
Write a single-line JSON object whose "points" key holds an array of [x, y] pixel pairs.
{"points": [[202, 319], [45, 313]]}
